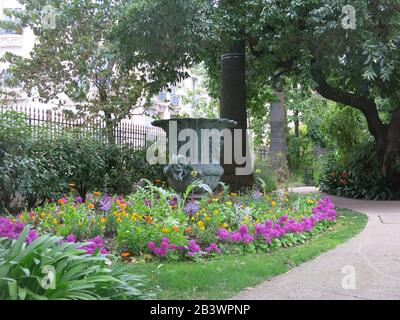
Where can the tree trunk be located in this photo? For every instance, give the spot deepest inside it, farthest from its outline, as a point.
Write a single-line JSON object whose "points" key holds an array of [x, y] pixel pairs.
{"points": [[110, 129], [233, 106], [388, 146], [278, 148]]}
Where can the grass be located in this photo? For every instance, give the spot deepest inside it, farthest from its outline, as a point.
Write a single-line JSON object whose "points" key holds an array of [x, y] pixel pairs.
{"points": [[222, 277]]}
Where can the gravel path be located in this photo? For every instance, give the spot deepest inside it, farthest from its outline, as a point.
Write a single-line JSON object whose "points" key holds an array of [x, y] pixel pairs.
{"points": [[365, 267]]}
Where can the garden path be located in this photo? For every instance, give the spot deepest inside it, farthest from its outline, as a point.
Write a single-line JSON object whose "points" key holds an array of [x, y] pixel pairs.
{"points": [[373, 257]]}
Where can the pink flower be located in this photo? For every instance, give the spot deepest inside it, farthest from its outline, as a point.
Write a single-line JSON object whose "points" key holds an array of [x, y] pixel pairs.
{"points": [[222, 234]]}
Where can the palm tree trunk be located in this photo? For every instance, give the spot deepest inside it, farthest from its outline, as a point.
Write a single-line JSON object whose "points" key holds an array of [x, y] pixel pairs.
{"points": [[233, 106], [278, 148]]}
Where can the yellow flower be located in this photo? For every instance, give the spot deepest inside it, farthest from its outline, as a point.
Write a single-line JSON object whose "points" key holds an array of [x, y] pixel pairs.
{"points": [[134, 216], [233, 194], [214, 199], [201, 225], [193, 218], [165, 230], [43, 215], [122, 206], [102, 220], [246, 218], [54, 221], [228, 203], [124, 214], [225, 225], [273, 203], [216, 211], [119, 220], [194, 173]]}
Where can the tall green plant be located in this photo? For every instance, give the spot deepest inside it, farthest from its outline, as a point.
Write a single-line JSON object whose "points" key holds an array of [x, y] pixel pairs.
{"points": [[46, 269]]}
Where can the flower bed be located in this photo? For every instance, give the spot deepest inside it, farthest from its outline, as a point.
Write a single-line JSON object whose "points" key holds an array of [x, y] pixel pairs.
{"points": [[154, 222]]}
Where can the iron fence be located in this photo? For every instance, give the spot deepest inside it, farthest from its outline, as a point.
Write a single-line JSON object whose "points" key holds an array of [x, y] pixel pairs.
{"points": [[126, 133]]}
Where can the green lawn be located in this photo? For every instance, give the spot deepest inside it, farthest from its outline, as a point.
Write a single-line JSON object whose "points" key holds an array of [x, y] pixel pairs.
{"points": [[224, 276]]}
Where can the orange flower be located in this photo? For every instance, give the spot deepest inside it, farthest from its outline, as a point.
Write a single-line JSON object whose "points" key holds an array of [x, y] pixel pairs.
{"points": [[90, 206], [149, 219], [175, 228], [125, 254], [62, 201], [96, 193], [187, 230]]}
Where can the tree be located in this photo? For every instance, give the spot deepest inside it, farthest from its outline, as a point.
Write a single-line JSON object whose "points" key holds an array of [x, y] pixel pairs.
{"points": [[357, 67], [182, 28], [75, 61], [314, 42]]}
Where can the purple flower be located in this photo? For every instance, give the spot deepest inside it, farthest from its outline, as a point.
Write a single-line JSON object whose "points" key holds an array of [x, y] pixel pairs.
{"points": [[70, 238], [213, 247], [78, 199], [247, 238], [32, 235], [147, 202], [173, 201], [11, 229], [223, 234], [191, 208], [105, 203], [193, 246], [256, 194], [243, 229], [151, 245], [236, 236], [94, 244]]}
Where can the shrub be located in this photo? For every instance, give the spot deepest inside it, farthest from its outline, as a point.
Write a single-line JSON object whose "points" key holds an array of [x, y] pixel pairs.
{"points": [[48, 269], [357, 176], [39, 165], [265, 176]]}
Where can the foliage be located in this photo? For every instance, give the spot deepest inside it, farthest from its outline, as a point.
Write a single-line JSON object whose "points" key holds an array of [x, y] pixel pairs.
{"points": [[357, 176], [39, 166], [265, 176], [77, 59], [47, 269], [158, 221], [308, 41], [225, 275]]}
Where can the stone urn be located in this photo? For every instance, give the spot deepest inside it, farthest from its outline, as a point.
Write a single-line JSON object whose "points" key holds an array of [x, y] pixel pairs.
{"points": [[199, 159]]}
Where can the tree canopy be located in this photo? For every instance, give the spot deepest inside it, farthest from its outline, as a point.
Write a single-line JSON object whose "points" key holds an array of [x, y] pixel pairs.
{"points": [[75, 61], [313, 42]]}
